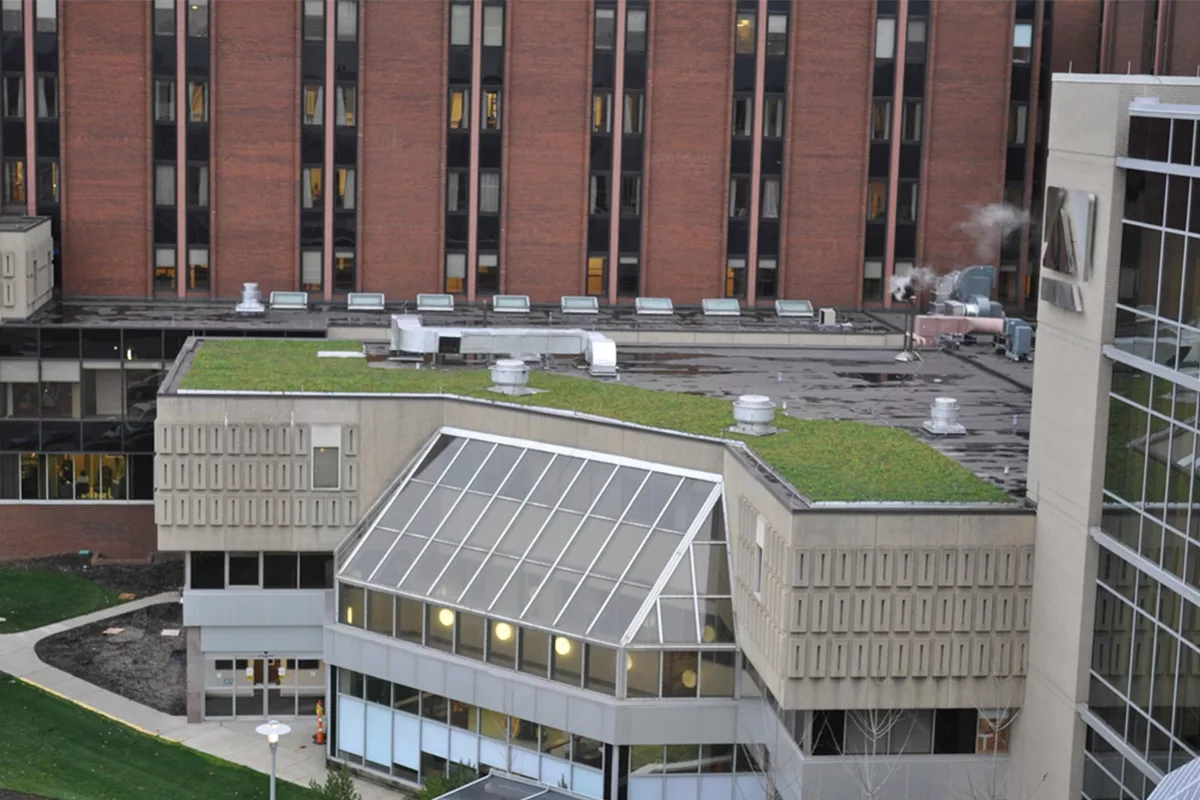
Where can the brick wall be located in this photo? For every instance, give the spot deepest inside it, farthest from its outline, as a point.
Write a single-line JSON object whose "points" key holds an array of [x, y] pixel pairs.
{"points": [[115, 531], [1075, 40], [1132, 37], [403, 113], [255, 161], [1183, 39], [106, 167], [825, 210], [547, 141]]}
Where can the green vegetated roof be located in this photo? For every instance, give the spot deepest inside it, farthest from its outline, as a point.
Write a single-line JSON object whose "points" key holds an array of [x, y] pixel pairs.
{"points": [[826, 460]]}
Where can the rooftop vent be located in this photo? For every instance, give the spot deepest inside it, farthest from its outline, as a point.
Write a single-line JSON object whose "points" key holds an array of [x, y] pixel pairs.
{"points": [[753, 415], [943, 418], [510, 376], [251, 302]]}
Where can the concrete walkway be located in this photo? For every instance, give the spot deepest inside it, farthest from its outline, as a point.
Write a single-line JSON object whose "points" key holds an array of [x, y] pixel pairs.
{"points": [[298, 760]]}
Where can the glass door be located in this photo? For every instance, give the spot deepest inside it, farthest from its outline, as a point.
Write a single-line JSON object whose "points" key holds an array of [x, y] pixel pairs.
{"points": [[249, 699], [281, 687]]}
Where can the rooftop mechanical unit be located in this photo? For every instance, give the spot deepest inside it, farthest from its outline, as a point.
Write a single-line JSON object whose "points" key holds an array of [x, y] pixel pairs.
{"points": [[967, 293]]}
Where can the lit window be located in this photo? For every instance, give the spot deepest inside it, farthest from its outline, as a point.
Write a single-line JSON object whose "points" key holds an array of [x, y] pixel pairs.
{"points": [[197, 101], [598, 198], [314, 104], [885, 38], [1018, 123], [456, 272], [631, 194], [635, 30], [743, 116], [489, 193], [164, 101], [602, 112], [773, 118], [777, 25], [164, 184], [881, 120], [735, 276], [910, 127], [164, 268], [633, 120], [460, 109], [915, 49], [14, 181], [197, 18], [14, 97], [596, 274], [605, 36], [343, 271], [344, 199], [312, 188], [493, 26], [1022, 43], [770, 198], [487, 277], [739, 197], [767, 276], [876, 201], [198, 268], [491, 109], [456, 191], [744, 34], [344, 98], [460, 25]]}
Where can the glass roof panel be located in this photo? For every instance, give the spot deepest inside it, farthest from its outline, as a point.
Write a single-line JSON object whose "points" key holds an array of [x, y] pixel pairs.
{"points": [[619, 551], [713, 528], [716, 620], [551, 598], [621, 491], [680, 581], [685, 505], [496, 469], [525, 580], [555, 536], [438, 458], [651, 499], [398, 561], [372, 548], [647, 632], [525, 475], [556, 481], [580, 612], [587, 543], [652, 560], [619, 612], [404, 506], [436, 507], [587, 486], [494, 522], [712, 569], [488, 583], [460, 473], [462, 519], [427, 567], [523, 530], [457, 575], [678, 619]]}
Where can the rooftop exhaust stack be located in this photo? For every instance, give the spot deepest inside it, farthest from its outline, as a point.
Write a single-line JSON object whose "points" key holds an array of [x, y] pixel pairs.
{"points": [[943, 418], [510, 376], [251, 302], [753, 415]]}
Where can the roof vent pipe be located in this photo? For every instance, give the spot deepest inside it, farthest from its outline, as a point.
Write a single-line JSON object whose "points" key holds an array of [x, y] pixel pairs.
{"points": [[251, 302], [753, 414], [510, 376], [943, 418]]}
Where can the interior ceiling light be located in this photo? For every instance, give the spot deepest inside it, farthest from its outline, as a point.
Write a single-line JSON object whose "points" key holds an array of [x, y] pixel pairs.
{"points": [[562, 646], [446, 617], [688, 678], [503, 631], [710, 633]]}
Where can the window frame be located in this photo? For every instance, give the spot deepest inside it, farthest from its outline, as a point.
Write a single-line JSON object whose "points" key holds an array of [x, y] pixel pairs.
{"points": [[636, 177], [191, 106], [745, 45], [202, 171], [165, 199], [464, 119], [604, 37], [776, 130], [307, 32], [739, 187], [915, 48], [777, 42], [490, 93], [906, 117], [312, 471], [595, 180], [1022, 54], [908, 196], [42, 80], [458, 36], [317, 119], [480, 192], [1018, 125], [19, 82], [492, 9], [881, 214], [762, 203], [602, 111], [640, 116], [462, 185], [746, 101], [636, 40], [885, 39]]}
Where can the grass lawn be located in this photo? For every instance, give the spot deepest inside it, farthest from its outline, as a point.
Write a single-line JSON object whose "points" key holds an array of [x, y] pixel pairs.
{"points": [[31, 598], [826, 460], [54, 748]]}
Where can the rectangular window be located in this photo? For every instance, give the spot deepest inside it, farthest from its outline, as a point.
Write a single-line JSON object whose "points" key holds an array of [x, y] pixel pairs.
{"points": [[198, 268], [197, 101], [460, 109], [164, 268], [602, 112], [197, 18], [456, 191], [758, 569], [164, 17], [915, 50], [343, 270], [326, 468], [631, 195], [312, 270], [491, 109], [633, 120], [489, 193], [596, 274], [164, 184], [1022, 42], [1018, 122], [493, 26], [766, 282], [739, 197], [312, 189], [456, 272], [770, 198], [1014, 194], [314, 104], [777, 26], [347, 20], [876, 201], [911, 124], [344, 200], [773, 118], [744, 34], [460, 24], [197, 185], [885, 38], [598, 195], [314, 20], [47, 16], [164, 100], [487, 278], [14, 181], [735, 276], [881, 120], [14, 97], [48, 182], [344, 106], [906, 202], [11, 16], [743, 116], [635, 30], [605, 36]]}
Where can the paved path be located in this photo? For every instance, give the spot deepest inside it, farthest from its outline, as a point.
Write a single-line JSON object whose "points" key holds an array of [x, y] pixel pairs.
{"points": [[298, 759]]}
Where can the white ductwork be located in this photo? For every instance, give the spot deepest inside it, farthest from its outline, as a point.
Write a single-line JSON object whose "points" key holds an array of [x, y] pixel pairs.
{"points": [[943, 418], [510, 376], [251, 302], [753, 414], [408, 335]]}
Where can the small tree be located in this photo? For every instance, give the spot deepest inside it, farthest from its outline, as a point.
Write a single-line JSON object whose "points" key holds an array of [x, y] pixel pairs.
{"points": [[438, 785], [339, 785]]}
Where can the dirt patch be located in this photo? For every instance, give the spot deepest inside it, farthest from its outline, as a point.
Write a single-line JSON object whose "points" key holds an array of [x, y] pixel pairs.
{"points": [[140, 579], [139, 663]]}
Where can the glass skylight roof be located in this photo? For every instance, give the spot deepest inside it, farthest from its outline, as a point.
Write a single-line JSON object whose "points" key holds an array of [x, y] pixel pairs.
{"points": [[588, 545]]}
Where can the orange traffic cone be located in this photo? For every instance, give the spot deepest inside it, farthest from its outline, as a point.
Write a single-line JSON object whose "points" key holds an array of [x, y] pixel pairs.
{"points": [[320, 737]]}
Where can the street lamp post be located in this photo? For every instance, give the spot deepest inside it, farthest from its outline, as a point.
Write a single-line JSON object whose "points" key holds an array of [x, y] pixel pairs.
{"points": [[273, 730]]}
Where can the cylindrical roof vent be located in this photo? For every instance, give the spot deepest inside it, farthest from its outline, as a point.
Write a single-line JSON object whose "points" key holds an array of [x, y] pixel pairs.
{"points": [[753, 414], [510, 376], [251, 302], [943, 418]]}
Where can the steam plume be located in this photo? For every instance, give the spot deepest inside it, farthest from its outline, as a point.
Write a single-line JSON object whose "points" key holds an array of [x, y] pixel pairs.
{"points": [[990, 225], [904, 288]]}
